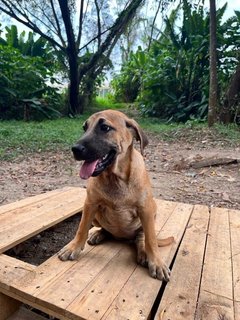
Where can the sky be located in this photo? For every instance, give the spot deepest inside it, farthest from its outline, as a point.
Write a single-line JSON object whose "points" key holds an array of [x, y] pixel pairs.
{"points": [[232, 5]]}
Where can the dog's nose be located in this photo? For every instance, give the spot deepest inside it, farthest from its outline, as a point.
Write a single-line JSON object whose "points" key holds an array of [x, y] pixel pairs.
{"points": [[78, 151]]}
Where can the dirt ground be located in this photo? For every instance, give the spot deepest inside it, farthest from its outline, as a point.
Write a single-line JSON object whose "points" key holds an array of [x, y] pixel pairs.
{"points": [[169, 165]]}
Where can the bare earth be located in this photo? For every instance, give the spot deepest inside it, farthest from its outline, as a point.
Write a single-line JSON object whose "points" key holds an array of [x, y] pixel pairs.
{"points": [[168, 163]]}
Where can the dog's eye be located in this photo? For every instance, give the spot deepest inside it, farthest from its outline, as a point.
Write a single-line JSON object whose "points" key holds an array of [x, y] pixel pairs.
{"points": [[105, 128], [85, 126]]}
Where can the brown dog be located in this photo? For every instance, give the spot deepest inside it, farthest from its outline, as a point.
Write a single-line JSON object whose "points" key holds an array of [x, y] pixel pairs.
{"points": [[119, 196]]}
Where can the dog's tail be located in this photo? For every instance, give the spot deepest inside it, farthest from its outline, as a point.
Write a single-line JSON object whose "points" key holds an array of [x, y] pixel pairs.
{"points": [[165, 242]]}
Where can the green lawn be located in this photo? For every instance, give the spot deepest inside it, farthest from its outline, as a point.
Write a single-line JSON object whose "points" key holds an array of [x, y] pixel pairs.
{"points": [[20, 138]]}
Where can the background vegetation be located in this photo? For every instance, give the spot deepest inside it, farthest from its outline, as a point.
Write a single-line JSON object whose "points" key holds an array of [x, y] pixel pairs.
{"points": [[164, 71], [170, 79]]}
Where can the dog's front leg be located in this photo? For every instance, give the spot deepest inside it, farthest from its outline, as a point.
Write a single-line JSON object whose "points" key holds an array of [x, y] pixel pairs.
{"points": [[157, 268], [72, 250]]}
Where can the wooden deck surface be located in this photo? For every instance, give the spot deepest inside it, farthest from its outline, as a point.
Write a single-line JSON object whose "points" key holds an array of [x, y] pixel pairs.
{"points": [[106, 283]]}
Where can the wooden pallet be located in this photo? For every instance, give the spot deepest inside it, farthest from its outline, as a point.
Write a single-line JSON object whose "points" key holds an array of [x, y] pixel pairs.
{"points": [[106, 283]]}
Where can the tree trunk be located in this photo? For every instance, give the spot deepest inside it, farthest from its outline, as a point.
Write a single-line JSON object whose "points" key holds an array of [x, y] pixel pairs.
{"points": [[87, 90], [213, 98], [74, 106], [73, 94], [232, 98], [72, 54]]}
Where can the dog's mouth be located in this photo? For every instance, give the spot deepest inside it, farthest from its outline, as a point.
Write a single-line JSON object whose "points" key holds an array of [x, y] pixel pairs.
{"points": [[92, 168]]}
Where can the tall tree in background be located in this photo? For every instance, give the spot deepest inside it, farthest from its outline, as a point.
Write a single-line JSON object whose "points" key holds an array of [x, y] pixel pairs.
{"points": [[213, 97], [84, 48]]}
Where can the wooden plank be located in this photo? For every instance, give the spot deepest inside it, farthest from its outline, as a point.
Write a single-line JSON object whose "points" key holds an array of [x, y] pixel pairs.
{"points": [[216, 294], [92, 302], [77, 278], [25, 314], [51, 280], [180, 296], [136, 298], [164, 211], [41, 219], [32, 304], [234, 217], [93, 305], [14, 218], [12, 269], [7, 306], [33, 199], [52, 270]]}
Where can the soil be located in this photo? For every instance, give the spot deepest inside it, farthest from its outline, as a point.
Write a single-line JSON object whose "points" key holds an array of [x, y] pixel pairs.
{"points": [[168, 162]]}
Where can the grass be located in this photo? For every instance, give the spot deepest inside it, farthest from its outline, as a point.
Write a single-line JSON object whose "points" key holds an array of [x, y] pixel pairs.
{"points": [[102, 103], [18, 138]]}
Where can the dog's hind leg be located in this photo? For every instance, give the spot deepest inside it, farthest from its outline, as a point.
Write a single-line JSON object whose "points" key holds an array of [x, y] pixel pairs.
{"points": [[98, 237], [141, 253]]}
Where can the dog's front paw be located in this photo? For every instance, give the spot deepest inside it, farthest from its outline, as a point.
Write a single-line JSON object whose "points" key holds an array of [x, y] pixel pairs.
{"points": [[158, 269], [70, 252]]}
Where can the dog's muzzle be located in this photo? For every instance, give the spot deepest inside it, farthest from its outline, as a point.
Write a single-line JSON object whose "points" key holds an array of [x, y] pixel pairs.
{"points": [[94, 163]]}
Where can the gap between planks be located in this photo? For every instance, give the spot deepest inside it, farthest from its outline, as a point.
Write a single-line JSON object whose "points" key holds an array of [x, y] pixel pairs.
{"points": [[181, 293]]}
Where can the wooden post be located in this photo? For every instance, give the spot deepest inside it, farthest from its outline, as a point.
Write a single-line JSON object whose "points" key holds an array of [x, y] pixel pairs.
{"points": [[7, 306]]}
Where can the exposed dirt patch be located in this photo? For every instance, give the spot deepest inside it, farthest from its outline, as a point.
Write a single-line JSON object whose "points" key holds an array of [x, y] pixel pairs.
{"points": [[168, 164]]}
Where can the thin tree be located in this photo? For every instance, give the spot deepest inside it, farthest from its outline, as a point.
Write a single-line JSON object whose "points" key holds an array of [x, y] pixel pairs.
{"points": [[213, 96]]}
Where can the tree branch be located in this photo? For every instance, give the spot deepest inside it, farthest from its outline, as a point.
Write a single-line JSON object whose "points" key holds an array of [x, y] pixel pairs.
{"points": [[59, 33], [93, 39], [68, 24], [116, 30], [80, 24], [9, 10], [98, 23], [153, 24]]}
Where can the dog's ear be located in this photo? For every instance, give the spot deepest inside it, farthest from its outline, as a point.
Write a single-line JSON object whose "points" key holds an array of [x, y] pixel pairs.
{"points": [[137, 133]]}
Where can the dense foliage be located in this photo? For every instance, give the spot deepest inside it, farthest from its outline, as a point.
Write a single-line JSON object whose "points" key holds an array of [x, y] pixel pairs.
{"points": [[26, 72], [77, 30], [171, 78]]}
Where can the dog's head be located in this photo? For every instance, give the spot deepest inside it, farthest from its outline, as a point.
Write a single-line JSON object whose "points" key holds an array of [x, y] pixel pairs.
{"points": [[108, 134]]}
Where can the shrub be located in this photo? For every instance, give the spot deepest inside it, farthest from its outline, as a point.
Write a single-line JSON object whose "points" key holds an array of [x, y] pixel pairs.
{"points": [[24, 89]]}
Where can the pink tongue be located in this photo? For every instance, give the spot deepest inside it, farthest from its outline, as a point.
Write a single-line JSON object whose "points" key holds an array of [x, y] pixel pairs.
{"points": [[87, 169]]}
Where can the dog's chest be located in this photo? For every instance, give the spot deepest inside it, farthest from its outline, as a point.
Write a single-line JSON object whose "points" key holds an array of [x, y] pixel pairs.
{"points": [[121, 221]]}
